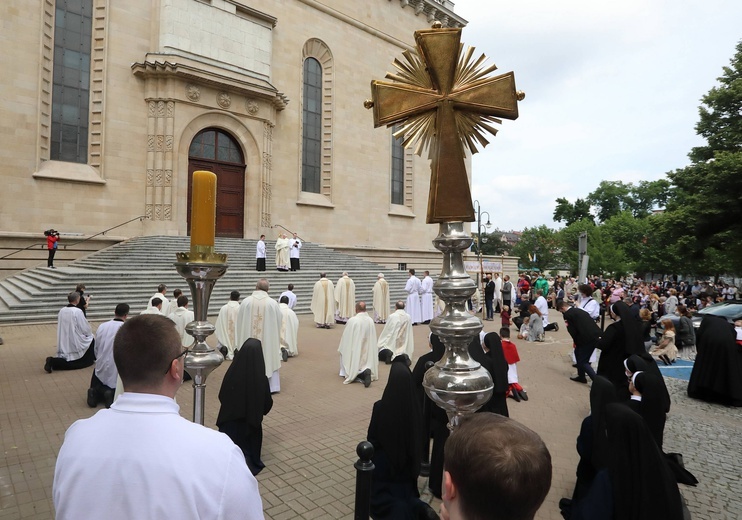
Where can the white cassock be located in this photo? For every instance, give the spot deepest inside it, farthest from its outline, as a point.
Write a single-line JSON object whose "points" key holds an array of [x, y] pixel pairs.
{"points": [[182, 317], [282, 254], [165, 302], [289, 330], [171, 306], [543, 308], [426, 298], [381, 300], [358, 348], [323, 302], [226, 324], [397, 335], [260, 317], [74, 334], [413, 287], [291, 296], [345, 297], [105, 368], [498, 288]]}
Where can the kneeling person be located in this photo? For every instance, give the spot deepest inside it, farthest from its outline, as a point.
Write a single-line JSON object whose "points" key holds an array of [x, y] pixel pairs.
{"points": [[358, 360], [397, 339], [103, 382]]}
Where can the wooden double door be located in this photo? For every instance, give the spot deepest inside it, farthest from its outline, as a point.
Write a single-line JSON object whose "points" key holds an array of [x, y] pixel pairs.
{"points": [[216, 151]]}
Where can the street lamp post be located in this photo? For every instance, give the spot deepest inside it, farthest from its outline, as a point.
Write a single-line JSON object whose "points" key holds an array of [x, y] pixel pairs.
{"points": [[481, 241]]}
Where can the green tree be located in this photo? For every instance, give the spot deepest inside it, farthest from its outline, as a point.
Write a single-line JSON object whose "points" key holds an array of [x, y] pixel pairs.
{"points": [[606, 257], [705, 209], [540, 243], [493, 243], [647, 196], [611, 198], [570, 213]]}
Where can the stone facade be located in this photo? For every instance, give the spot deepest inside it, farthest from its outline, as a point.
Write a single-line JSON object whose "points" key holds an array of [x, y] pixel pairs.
{"points": [[161, 72]]}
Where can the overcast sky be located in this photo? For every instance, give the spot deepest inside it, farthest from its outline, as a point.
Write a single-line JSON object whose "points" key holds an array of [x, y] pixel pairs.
{"points": [[612, 92]]}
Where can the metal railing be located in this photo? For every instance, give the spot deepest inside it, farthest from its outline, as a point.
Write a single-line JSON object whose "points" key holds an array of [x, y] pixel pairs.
{"points": [[287, 229], [65, 246]]}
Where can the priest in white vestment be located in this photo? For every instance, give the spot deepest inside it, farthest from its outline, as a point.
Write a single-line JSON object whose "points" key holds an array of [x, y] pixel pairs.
{"points": [[345, 298], [226, 324], [413, 288], [156, 308], [75, 341], [260, 317], [323, 302], [162, 295], [289, 330], [426, 298], [397, 339], [282, 253], [358, 354], [182, 316], [381, 299]]}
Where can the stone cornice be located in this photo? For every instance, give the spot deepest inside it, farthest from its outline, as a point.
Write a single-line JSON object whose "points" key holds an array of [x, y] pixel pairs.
{"points": [[187, 69], [440, 10]]}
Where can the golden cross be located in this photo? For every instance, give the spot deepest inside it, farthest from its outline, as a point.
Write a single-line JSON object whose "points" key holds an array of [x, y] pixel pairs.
{"points": [[443, 101]]}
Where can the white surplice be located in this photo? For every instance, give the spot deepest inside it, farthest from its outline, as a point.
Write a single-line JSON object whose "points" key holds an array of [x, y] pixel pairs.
{"points": [[426, 299], [358, 348], [260, 317], [165, 303], [226, 325], [413, 288], [498, 288], [323, 302], [182, 317], [105, 368], [381, 300], [74, 334], [295, 247], [289, 330], [397, 335], [345, 298]]}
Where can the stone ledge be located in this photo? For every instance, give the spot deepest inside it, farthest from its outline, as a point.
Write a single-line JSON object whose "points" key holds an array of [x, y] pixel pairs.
{"points": [[398, 210], [68, 172], [314, 199]]}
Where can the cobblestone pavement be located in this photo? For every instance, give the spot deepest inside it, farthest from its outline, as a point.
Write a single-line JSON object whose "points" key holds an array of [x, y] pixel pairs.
{"points": [[316, 422]]}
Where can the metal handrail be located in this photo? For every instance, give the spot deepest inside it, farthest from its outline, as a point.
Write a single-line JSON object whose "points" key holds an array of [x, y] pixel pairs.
{"points": [[287, 229], [65, 246]]}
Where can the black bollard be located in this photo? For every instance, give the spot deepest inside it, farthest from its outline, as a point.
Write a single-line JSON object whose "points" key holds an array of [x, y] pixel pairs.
{"points": [[427, 403], [364, 473]]}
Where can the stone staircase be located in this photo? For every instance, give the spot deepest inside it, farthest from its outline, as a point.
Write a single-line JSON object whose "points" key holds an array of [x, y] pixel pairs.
{"points": [[130, 271]]}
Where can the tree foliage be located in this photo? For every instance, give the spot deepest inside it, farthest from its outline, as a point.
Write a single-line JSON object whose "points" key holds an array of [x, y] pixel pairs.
{"points": [[538, 247], [570, 213]]}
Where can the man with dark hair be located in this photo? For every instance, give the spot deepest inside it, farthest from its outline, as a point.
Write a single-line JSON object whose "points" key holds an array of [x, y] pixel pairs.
{"points": [[226, 341], [294, 254], [260, 254], [289, 329], [289, 293], [489, 297], [161, 290], [585, 334], [156, 308], [181, 316], [75, 342], [137, 447], [103, 381], [506, 291], [495, 469]]}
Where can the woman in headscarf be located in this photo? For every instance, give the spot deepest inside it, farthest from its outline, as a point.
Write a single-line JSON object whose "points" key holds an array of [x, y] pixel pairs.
{"points": [[245, 398], [494, 361], [637, 484], [621, 339], [395, 430], [717, 371], [435, 425]]}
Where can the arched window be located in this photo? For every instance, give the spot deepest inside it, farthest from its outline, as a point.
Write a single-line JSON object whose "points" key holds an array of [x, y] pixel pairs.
{"points": [[311, 161], [215, 145]]}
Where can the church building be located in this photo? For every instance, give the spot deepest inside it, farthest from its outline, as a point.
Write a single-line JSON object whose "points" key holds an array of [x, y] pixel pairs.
{"points": [[109, 107]]}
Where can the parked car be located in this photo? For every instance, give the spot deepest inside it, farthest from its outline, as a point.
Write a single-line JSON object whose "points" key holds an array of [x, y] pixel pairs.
{"points": [[731, 310]]}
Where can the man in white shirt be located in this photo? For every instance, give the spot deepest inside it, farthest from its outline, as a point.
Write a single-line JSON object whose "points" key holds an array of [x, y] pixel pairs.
{"points": [[426, 298], [260, 254], [103, 382], [182, 317], [289, 293], [294, 253], [358, 359], [586, 302], [396, 339], [75, 342], [226, 324], [260, 317], [129, 461], [413, 288], [543, 306]]}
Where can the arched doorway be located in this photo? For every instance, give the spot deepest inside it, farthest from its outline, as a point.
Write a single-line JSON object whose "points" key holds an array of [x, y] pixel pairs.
{"points": [[217, 151]]}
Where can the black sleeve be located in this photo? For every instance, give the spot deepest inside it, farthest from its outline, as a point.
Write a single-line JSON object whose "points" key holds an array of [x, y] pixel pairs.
{"points": [[607, 339]]}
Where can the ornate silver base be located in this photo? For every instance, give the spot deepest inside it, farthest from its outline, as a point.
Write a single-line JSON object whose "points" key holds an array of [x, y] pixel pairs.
{"points": [[456, 383], [201, 359]]}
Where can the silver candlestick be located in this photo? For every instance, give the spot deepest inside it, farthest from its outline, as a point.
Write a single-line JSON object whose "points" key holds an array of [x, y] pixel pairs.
{"points": [[456, 383], [201, 271]]}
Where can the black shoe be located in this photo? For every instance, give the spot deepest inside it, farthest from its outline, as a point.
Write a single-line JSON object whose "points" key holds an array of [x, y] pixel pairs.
{"points": [[284, 355], [523, 395], [426, 322], [387, 356], [579, 379], [48, 365], [574, 365], [515, 396], [108, 398], [556, 327], [224, 351], [92, 398], [366, 377]]}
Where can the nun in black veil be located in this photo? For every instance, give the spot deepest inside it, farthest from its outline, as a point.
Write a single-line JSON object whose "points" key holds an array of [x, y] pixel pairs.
{"points": [[493, 359], [245, 397], [620, 340], [395, 430], [436, 427], [717, 371]]}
